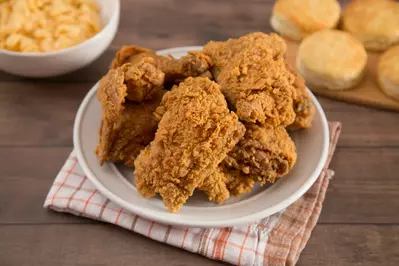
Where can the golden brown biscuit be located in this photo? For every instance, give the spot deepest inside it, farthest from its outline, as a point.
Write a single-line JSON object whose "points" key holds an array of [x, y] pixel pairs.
{"points": [[373, 22], [297, 19], [388, 72], [331, 59]]}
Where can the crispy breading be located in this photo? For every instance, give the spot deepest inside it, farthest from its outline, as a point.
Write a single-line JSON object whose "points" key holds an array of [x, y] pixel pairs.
{"points": [[112, 93], [131, 54], [126, 126], [192, 65], [237, 183], [253, 77], [215, 186], [303, 106], [143, 79], [140, 79], [264, 154], [195, 132], [122, 139]]}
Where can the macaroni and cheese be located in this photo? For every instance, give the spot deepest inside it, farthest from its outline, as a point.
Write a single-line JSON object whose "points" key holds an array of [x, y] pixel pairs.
{"points": [[47, 25]]}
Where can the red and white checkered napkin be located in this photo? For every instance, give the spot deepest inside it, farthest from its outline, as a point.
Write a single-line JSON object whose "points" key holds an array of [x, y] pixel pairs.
{"points": [[275, 240]]}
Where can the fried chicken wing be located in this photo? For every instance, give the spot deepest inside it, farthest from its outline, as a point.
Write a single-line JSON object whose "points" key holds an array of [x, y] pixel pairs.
{"points": [[264, 154], [126, 126], [253, 77], [192, 65], [195, 132], [303, 106]]}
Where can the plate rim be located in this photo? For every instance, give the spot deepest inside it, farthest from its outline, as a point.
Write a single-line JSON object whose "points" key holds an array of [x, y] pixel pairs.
{"points": [[197, 223]]}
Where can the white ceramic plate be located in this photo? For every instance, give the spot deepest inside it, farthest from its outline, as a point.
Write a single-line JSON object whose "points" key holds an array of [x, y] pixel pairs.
{"points": [[116, 182]]}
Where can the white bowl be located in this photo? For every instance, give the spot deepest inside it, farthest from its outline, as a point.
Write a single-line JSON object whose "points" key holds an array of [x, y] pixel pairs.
{"points": [[116, 182], [60, 62]]}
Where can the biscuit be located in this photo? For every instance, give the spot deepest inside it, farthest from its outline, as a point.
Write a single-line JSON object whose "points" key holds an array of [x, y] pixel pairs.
{"points": [[388, 72], [331, 59], [374, 22], [297, 19]]}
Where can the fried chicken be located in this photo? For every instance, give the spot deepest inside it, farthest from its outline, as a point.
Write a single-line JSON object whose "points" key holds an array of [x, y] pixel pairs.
{"points": [[303, 106], [226, 181], [192, 65], [143, 79], [121, 140], [131, 54], [112, 93], [195, 132], [264, 154], [215, 186], [126, 126], [253, 77]]}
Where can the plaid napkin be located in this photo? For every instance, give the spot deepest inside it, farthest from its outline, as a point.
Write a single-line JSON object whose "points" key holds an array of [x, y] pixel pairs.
{"points": [[275, 240]]}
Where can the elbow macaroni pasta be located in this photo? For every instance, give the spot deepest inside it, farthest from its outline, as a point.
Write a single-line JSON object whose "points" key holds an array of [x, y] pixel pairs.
{"points": [[47, 25]]}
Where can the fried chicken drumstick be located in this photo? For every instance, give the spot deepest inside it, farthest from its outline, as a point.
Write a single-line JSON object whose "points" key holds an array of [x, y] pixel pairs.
{"points": [[195, 132], [254, 78]]}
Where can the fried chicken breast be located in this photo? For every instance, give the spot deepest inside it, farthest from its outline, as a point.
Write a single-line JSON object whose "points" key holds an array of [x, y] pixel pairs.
{"points": [[195, 133]]}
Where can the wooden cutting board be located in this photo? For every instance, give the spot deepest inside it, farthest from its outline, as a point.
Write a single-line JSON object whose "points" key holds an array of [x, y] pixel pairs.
{"points": [[366, 93]]}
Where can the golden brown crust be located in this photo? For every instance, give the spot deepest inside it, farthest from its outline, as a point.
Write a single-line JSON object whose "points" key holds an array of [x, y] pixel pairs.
{"points": [[192, 65], [124, 136], [131, 54], [373, 22], [139, 81], [122, 139], [195, 132], [215, 186], [264, 154], [388, 72], [304, 17], [127, 127], [237, 182], [303, 105], [143, 79], [112, 92], [254, 79], [331, 59]]}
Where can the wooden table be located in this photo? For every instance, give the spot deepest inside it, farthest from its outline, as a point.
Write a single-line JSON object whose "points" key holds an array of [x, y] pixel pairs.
{"points": [[359, 224]]}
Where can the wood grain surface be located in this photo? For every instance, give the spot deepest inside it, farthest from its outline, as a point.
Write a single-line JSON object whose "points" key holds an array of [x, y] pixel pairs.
{"points": [[359, 224]]}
